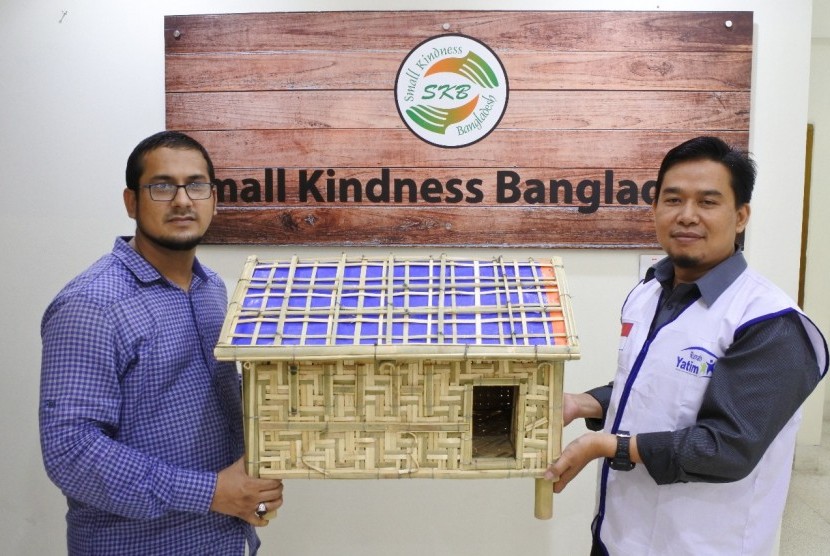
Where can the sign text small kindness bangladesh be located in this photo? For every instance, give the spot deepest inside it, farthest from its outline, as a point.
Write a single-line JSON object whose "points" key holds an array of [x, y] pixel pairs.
{"points": [[451, 91]]}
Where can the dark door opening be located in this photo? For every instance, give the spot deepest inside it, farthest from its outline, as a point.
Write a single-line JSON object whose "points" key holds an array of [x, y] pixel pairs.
{"points": [[494, 411]]}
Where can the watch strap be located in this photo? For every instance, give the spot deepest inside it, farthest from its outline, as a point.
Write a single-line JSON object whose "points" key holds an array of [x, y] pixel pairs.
{"points": [[622, 458]]}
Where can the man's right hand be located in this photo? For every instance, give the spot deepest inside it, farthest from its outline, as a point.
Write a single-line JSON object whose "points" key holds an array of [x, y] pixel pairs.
{"points": [[576, 406], [238, 494]]}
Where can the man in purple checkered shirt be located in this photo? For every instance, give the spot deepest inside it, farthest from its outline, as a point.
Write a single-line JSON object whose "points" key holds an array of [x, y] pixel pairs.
{"points": [[141, 428]]}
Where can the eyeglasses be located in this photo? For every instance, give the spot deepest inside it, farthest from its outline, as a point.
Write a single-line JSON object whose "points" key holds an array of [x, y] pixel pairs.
{"points": [[168, 191]]}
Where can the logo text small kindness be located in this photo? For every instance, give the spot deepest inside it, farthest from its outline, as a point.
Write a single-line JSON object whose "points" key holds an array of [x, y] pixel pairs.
{"points": [[696, 361], [451, 91]]}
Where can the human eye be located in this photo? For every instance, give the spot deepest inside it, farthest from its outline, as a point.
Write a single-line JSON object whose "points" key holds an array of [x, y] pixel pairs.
{"points": [[199, 190], [162, 188]]}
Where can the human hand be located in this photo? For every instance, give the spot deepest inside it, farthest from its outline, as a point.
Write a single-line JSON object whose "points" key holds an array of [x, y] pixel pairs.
{"points": [[570, 408], [577, 455], [239, 495], [575, 406]]}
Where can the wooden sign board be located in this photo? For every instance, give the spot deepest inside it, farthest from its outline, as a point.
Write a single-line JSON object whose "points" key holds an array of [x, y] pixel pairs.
{"points": [[300, 114]]}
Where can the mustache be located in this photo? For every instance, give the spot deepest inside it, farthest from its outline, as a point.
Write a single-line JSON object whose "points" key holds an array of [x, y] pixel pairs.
{"points": [[188, 214]]}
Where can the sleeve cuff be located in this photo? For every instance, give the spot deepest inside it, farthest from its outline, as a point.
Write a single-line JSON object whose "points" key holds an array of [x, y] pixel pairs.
{"points": [[192, 491], [602, 395], [657, 452]]}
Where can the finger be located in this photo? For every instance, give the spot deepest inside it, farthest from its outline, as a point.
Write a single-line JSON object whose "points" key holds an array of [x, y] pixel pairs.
{"points": [[270, 496], [557, 468], [272, 504], [268, 484], [253, 519], [267, 511], [258, 521], [565, 478], [550, 473], [560, 483]]}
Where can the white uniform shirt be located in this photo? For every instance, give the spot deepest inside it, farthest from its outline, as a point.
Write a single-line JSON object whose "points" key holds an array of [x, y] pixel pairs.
{"points": [[660, 383]]}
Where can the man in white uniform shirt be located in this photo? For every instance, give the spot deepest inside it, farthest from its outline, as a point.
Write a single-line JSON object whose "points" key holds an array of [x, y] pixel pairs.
{"points": [[698, 427]]}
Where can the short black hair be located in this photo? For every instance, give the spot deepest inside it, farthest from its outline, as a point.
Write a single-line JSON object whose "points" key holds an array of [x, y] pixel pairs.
{"points": [[739, 163], [169, 139]]}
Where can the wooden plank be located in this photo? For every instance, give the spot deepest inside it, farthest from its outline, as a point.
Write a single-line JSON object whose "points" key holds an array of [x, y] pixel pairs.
{"points": [[373, 187], [335, 32], [805, 213], [678, 71], [549, 227], [598, 110], [337, 148], [298, 111], [658, 70]]}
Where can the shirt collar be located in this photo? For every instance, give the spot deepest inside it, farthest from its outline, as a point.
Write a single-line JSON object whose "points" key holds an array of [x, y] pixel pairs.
{"points": [[712, 284], [143, 270]]}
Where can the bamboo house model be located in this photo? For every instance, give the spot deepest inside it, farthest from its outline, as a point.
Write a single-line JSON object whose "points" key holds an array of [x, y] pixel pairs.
{"points": [[393, 367]]}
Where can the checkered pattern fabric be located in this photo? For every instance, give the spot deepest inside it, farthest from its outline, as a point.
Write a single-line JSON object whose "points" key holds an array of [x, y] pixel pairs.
{"points": [[136, 415]]}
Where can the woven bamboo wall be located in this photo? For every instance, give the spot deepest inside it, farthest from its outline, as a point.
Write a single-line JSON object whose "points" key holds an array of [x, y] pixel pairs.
{"points": [[350, 419]]}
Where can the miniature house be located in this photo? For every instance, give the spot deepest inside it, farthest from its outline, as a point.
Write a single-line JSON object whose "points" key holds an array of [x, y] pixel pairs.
{"points": [[393, 367]]}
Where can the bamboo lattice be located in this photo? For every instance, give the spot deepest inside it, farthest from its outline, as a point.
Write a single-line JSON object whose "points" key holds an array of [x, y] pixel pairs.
{"points": [[381, 368], [405, 307]]}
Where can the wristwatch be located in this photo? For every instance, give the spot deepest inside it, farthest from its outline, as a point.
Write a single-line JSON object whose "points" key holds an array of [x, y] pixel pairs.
{"points": [[622, 459]]}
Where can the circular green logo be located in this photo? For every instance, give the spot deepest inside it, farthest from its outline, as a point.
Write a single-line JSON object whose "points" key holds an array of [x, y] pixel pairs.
{"points": [[451, 91]]}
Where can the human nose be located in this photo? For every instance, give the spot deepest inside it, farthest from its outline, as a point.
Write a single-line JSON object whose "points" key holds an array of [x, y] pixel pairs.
{"points": [[181, 198], [688, 213]]}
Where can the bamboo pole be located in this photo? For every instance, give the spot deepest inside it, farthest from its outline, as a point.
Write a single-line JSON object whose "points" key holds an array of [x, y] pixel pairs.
{"points": [[543, 507]]}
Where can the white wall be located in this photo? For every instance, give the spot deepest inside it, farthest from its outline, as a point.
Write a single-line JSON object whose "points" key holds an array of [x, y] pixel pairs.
{"points": [[817, 295], [75, 97], [819, 115]]}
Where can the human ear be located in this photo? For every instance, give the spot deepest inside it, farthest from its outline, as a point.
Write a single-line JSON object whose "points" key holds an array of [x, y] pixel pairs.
{"points": [[743, 217], [130, 202]]}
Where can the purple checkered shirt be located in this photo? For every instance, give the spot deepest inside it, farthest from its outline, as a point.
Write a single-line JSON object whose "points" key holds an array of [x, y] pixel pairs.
{"points": [[136, 415]]}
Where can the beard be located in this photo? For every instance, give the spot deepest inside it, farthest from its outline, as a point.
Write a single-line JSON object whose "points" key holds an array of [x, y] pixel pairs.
{"points": [[172, 243], [684, 261]]}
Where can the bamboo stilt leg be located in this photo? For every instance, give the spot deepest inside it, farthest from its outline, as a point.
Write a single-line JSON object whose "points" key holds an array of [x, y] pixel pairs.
{"points": [[543, 508]]}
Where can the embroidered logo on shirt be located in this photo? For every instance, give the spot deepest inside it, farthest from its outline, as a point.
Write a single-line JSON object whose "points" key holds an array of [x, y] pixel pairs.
{"points": [[696, 361]]}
